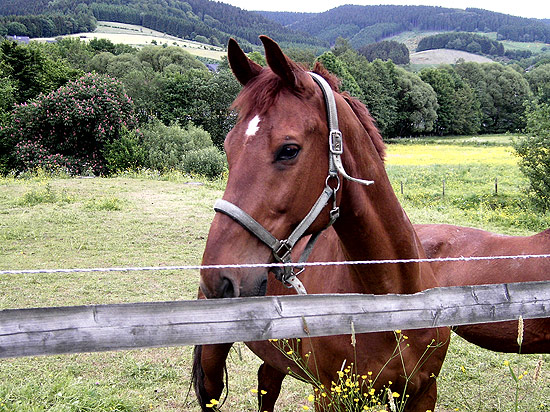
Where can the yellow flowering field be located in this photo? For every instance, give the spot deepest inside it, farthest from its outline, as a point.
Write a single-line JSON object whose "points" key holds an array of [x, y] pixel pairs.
{"points": [[421, 155]]}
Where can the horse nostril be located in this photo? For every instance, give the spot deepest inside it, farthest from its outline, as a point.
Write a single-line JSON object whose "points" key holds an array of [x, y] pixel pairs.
{"points": [[227, 289]]}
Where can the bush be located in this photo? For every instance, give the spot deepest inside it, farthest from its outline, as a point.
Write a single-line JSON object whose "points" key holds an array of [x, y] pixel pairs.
{"points": [[125, 153], [69, 128], [187, 149], [209, 162], [534, 153]]}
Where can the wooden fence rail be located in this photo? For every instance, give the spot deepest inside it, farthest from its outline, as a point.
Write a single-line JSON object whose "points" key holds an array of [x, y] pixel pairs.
{"points": [[72, 329]]}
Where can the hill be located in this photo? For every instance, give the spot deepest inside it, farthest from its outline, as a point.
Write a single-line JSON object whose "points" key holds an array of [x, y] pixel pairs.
{"points": [[366, 24], [213, 22], [203, 20], [132, 35]]}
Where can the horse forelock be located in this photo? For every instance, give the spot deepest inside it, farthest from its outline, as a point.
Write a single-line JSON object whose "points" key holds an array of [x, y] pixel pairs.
{"points": [[263, 91]]}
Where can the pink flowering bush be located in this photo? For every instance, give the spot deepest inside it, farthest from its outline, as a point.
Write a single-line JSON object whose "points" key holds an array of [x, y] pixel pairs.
{"points": [[68, 128]]}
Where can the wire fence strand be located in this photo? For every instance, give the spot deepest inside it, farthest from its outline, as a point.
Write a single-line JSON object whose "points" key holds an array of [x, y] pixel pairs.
{"points": [[271, 265]]}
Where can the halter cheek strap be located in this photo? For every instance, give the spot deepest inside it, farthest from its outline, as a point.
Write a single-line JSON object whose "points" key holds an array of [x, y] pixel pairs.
{"points": [[335, 140], [282, 249]]}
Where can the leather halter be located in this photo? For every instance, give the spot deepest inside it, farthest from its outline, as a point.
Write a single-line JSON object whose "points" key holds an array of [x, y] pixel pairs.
{"points": [[282, 248]]}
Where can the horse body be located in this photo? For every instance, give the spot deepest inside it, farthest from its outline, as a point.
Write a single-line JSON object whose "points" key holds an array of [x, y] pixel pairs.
{"points": [[277, 155], [441, 241]]}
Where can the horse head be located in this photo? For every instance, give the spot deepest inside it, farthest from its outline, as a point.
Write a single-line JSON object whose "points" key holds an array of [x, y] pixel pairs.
{"points": [[278, 165]]}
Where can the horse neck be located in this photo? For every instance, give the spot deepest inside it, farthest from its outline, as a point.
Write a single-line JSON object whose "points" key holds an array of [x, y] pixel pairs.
{"points": [[374, 226]]}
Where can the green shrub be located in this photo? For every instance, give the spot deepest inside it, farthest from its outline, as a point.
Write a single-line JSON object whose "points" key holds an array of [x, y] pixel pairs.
{"points": [[69, 127], [125, 153], [188, 149], [209, 162], [534, 153]]}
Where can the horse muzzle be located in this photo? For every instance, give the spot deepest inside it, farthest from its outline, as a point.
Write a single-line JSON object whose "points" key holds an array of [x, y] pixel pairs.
{"points": [[232, 284]]}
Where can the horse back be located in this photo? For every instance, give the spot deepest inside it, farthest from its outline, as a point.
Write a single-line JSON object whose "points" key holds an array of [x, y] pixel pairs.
{"points": [[442, 241]]}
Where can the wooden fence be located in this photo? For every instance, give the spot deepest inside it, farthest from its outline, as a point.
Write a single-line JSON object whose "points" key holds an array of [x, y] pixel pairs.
{"points": [[72, 329]]}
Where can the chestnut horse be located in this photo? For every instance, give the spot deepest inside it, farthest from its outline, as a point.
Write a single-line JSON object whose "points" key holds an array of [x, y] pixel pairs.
{"points": [[287, 179], [442, 241]]}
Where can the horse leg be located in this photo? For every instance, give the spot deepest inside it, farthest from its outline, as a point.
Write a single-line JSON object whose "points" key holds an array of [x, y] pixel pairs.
{"points": [[269, 386], [209, 371], [424, 401]]}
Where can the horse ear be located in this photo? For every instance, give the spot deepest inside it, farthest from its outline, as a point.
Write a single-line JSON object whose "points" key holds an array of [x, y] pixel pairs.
{"points": [[278, 62], [242, 67]]}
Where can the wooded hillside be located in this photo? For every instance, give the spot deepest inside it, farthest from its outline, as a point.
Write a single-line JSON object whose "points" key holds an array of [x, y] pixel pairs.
{"points": [[366, 24], [213, 21]]}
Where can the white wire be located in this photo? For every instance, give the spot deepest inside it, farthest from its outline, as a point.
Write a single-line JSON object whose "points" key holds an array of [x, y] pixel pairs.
{"points": [[269, 265]]}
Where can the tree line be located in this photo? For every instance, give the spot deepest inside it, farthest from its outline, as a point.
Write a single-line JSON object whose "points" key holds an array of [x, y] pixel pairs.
{"points": [[472, 43], [52, 109], [46, 25]]}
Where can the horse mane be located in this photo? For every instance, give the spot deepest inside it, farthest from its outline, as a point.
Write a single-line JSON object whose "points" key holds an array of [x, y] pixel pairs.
{"points": [[263, 91]]}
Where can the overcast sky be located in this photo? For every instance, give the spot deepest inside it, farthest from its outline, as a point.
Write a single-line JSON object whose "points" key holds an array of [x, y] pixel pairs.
{"points": [[526, 8]]}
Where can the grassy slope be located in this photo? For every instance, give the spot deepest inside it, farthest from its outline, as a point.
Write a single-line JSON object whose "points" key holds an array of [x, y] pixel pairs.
{"points": [[444, 56], [140, 36], [144, 221]]}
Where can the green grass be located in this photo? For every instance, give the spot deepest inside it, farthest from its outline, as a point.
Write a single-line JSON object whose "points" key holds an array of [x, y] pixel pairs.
{"points": [[143, 219]]}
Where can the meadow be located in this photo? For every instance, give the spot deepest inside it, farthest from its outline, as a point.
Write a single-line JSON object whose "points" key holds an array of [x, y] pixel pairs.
{"points": [[145, 219]]}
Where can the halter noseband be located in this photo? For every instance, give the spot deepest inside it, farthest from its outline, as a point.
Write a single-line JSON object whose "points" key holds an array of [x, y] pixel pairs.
{"points": [[282, 248]]}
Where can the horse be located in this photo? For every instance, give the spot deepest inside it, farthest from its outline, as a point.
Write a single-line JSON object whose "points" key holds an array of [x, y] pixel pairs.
{"points": [[440, 241], [288, 179]]}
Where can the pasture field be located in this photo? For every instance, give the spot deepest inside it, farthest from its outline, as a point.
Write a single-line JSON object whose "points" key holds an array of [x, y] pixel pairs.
{"points": [[148, 220]]}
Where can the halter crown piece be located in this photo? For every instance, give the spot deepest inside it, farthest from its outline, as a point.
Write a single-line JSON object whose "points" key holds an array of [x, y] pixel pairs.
{"points": [[282, 248]]}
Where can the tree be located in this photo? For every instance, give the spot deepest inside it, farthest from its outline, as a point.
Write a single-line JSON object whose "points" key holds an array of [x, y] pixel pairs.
{"points": [[160, 57], [417, 105], [31, 70], [501, 92], [379, 91], [539, 81], [509, 92], [458, 111], [337, 67], [534, 153], [200, 97], [400, 102], [341, 45], [386, 50]]}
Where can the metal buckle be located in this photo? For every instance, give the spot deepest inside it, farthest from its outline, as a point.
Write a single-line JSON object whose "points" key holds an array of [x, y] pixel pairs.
{"points": [[283, 247], [335, 142]]}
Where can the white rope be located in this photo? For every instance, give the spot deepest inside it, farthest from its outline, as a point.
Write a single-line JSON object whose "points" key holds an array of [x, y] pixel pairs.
{"points": [[270, 265]]}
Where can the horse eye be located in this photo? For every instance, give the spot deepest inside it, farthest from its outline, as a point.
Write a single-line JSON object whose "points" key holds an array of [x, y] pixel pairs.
{"points": [[288, 152]]}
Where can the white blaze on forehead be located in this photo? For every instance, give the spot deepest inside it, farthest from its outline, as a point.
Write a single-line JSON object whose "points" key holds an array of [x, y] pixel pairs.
{"points": [[253, 126]]}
